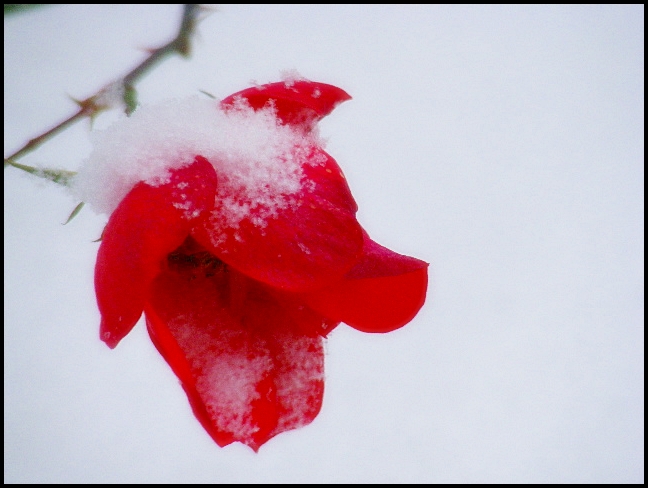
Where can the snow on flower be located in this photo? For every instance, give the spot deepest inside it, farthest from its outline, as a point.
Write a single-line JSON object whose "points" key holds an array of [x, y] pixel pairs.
{"points": [[235, 234]]}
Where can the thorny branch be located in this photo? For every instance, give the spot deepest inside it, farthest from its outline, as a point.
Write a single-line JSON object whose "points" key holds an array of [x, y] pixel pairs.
{"points": [[104, 98]]}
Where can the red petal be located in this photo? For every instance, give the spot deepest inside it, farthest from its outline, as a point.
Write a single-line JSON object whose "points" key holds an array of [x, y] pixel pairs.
{"points": [[310, 322], [310, 243], [149, 223], [246, 367], [300, 103], [383, 292]]}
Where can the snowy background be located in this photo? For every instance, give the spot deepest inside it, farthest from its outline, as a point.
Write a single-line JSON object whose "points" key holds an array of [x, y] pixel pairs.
{"points": [[504, 145]]}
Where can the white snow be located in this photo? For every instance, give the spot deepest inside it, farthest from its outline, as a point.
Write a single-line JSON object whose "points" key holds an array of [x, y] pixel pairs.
{"points": [[295, 381], [290, 76], [111, 96], [227, 375], [257, 159]]}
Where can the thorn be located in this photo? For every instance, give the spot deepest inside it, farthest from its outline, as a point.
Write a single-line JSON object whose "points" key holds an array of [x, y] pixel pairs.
{"points": [[101, 236], [147, 50]]}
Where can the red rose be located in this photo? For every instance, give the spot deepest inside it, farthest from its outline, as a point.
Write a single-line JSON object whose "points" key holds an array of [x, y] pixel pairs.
{"points": [[239, 287]]}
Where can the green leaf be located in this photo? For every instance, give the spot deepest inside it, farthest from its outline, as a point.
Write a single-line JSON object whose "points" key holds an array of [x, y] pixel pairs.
{"points": [[75, 212], [60, 176], [207, 93], [130, 99]]}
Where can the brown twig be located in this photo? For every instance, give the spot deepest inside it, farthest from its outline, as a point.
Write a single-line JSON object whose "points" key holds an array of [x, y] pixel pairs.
{"points": [[102, 100]]}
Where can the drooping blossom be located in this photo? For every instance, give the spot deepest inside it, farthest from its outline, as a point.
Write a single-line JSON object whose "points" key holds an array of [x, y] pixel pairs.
{"points": [[235, 234]]}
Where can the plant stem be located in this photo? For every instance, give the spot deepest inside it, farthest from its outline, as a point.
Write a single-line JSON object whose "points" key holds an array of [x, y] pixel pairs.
{"points": [[98, 102]]}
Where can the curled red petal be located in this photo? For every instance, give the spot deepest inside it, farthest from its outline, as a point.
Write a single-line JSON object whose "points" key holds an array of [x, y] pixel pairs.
{"points": [[300, 103], [149, 222], [246, 367], [307, 244], [381, 293]]}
